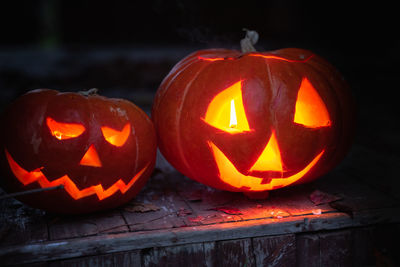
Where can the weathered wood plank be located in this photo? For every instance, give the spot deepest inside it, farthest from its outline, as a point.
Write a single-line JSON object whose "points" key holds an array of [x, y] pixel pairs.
{"points": [[138, 240], [308, 250], [237, 252], [336, 248], [355, 195], [203, 201], [131, 258], [282, 203], [275, 250], [20, 224], [286, 202], [183, 255], [86, 225], [163, 195], [209, 253]]}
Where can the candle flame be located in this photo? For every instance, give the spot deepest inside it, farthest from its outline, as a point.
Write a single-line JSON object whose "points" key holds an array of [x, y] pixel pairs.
{"points": [[233, 119]]}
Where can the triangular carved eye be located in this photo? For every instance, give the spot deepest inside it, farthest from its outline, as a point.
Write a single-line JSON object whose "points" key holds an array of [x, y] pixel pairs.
{"points": [[310, 108], [63, 130], [226, 111], [115, 137]]}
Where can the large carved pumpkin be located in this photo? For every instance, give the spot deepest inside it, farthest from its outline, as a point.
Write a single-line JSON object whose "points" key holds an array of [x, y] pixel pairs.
{"points": [[100, 150], [255, 121]]}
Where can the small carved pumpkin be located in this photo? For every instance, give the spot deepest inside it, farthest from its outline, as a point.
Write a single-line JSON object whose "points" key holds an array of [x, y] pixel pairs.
{"points": [[253, 122], [100, 150]]}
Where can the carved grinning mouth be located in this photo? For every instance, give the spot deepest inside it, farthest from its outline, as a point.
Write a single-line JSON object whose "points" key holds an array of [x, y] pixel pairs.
{"points": [[230, 175], [28, 177]]}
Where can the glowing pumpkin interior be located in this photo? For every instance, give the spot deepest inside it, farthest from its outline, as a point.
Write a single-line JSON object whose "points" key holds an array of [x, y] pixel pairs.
{"points": [[310, 109], [91, 158], [115, 137], [226, 112], [63, 131]]}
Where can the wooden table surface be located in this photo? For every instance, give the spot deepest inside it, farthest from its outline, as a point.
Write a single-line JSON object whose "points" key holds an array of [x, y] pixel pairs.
{"points": [[177, 221]]}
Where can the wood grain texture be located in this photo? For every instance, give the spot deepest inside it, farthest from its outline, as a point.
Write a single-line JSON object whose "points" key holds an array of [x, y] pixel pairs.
{"points": [[275, 250], [234, 253], [308, 250], [183, 255], [86, 225], [336, 248], [20, 224], [110, 243], [165, 198], [325, 249], [109, 260]]}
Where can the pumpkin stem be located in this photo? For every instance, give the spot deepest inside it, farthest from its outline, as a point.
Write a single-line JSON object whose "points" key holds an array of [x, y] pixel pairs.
{"points": [[92, 91], [248, 42]]}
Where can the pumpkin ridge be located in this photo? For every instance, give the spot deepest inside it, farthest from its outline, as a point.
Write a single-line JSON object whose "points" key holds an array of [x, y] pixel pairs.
{"points": [[160, 95], [178, 116], [43, 117], [137, 147]]}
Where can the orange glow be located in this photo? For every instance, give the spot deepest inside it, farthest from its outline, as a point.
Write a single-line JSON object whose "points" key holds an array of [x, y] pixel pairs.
{"points": [[281, 58], [254, 55], [91, 158], [230, 175], [270, 158], [226, 110], [26, 178], [62, 130], [214, 58], [115, 137], [310, 109]]}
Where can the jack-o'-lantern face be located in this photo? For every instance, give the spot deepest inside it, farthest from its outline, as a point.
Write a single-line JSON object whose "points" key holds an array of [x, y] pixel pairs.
{"points": [[226, 113], [253, 122], [92, 154], [64, 131]]}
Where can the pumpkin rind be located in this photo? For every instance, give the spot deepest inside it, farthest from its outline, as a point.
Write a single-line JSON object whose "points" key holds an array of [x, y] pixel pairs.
{"points": [[28, 141], [270, 83]]}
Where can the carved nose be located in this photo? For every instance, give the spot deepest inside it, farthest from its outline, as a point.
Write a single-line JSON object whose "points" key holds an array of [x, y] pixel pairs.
{"points": [[91, 158], [270, 158]]}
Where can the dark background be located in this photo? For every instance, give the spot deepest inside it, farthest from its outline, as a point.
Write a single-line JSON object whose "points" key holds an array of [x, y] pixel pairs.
{"points": [[125, 48]]}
